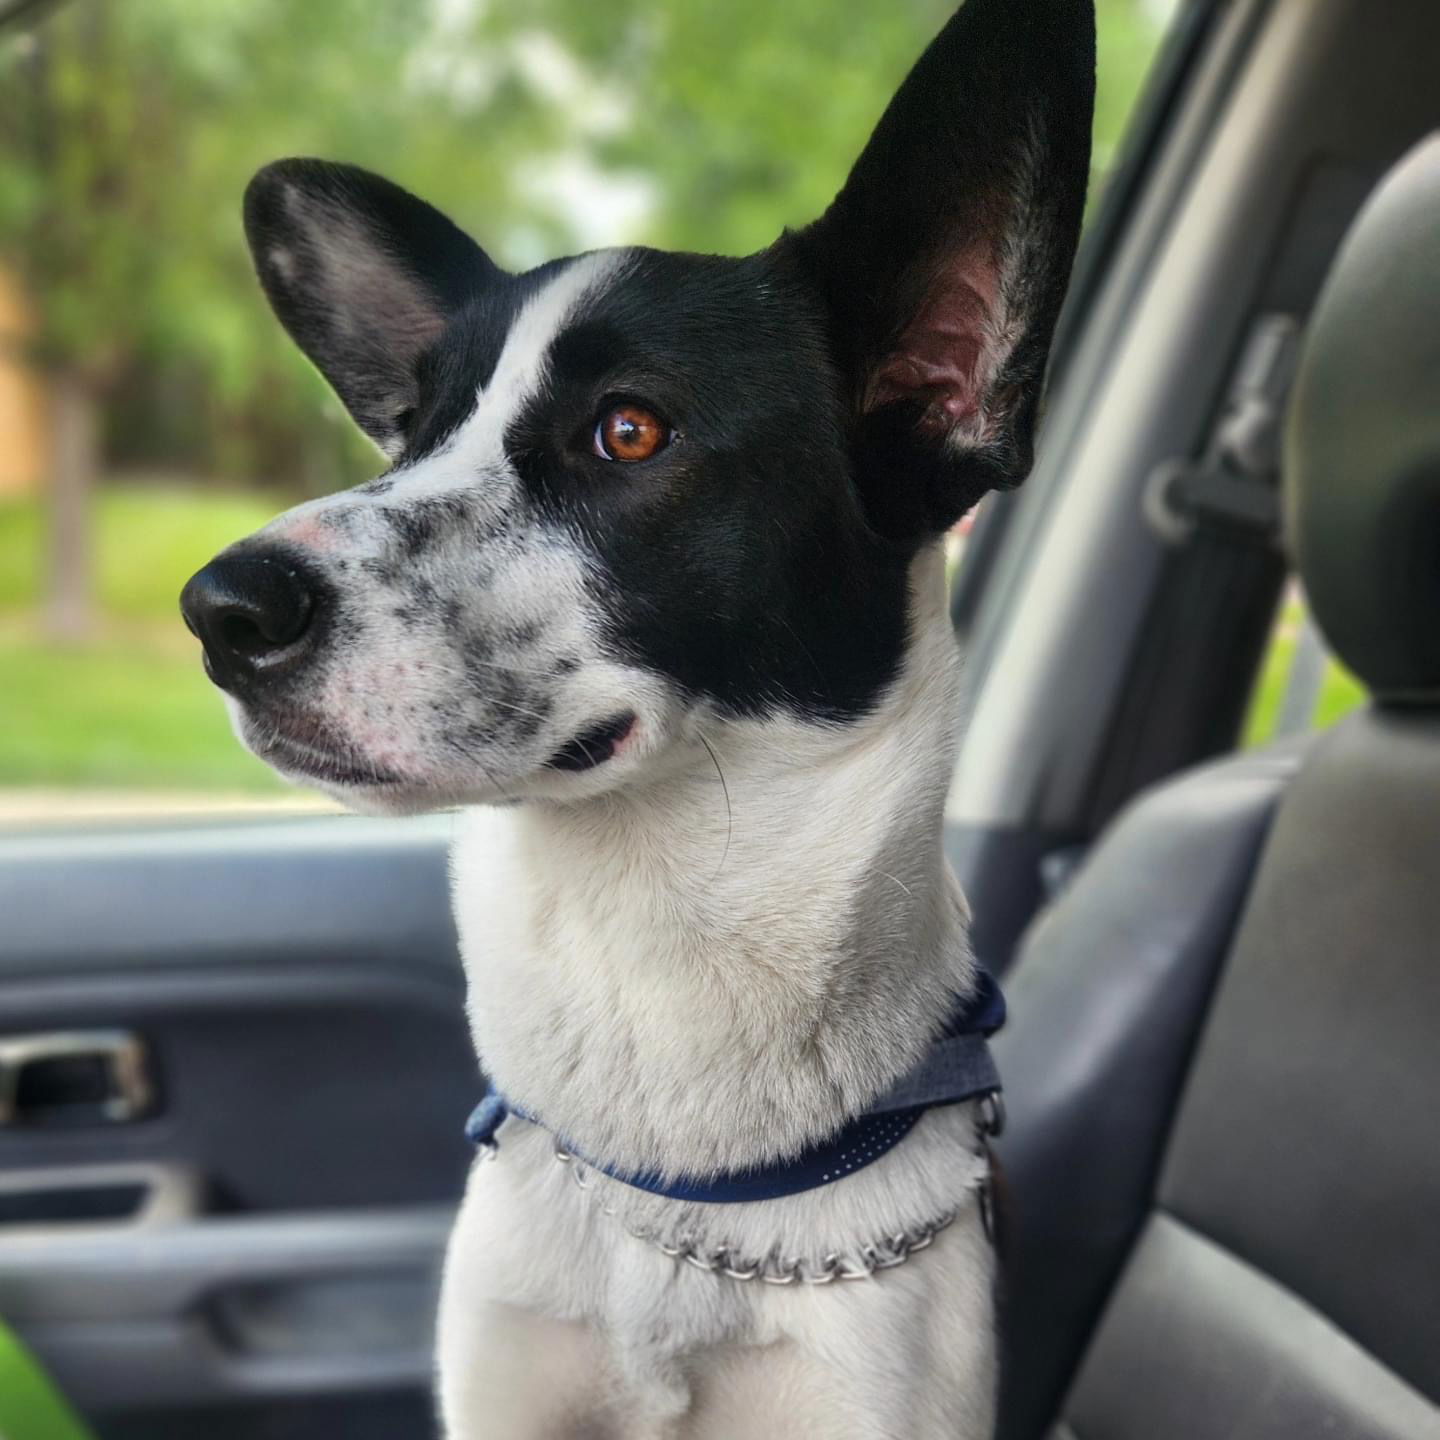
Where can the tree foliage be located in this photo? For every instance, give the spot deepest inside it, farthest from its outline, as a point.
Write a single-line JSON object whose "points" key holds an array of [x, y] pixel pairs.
{"points": [[128, 131]]}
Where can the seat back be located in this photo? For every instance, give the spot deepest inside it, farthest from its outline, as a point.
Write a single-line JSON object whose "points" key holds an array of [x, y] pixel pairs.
{"points": [[1287, 1280], [1284, 1275]]}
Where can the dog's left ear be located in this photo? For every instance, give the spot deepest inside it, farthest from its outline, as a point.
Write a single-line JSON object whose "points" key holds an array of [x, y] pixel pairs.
{"points": [[365, 277], [943, 262]]}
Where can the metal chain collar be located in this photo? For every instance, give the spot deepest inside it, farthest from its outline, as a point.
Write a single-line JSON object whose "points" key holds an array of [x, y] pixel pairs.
{"points": [[871, 1259], [865, 1264]]}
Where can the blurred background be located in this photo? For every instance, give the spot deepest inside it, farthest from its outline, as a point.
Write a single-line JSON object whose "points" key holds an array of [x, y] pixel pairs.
{"points": [[152, 411]]}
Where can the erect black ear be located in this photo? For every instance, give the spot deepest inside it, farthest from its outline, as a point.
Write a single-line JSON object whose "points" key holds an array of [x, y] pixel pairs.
{"points": [[364, 277], [944, 260]]}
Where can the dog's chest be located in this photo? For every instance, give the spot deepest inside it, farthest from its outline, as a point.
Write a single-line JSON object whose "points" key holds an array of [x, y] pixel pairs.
{"points": [[661, 1348], [631, 999], [530, 1238]]}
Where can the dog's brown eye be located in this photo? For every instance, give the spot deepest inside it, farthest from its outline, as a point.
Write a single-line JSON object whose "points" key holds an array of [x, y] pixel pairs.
{"points": [[630, 433]]}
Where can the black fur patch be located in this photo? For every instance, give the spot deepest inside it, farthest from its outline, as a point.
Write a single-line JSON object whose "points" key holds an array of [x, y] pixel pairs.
{"points": [[739, 562]]}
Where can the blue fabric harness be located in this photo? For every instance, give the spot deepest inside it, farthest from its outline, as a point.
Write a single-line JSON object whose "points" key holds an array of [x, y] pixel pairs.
{"points": [[957, 1067]]}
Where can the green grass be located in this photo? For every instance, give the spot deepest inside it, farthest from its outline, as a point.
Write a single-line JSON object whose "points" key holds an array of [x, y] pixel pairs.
{"points": [[148, 540], [1340, 692], [126, 712], [131, 708]]}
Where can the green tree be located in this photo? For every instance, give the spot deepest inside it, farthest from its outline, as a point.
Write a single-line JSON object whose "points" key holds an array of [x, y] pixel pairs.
{"points": [[127, 133]]}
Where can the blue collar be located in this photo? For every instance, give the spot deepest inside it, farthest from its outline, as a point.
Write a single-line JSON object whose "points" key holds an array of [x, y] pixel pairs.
{"points": [[958, 1066]]}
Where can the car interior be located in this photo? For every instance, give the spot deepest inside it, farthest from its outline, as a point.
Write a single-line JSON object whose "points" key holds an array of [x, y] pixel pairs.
{"points": [[234, 1063]]}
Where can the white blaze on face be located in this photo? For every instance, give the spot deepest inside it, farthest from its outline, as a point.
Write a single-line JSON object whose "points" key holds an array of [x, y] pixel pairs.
{"points": [[475, 453]]}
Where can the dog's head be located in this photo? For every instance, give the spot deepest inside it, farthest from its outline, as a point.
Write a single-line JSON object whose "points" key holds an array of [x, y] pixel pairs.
{"points": [[632, 491]]}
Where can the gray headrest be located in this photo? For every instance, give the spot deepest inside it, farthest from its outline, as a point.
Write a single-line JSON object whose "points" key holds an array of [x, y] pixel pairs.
{"points": [[1362, 482]]}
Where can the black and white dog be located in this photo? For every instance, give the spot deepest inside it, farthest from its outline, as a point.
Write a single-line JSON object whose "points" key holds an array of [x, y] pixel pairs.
{"points": [[654, 589]]}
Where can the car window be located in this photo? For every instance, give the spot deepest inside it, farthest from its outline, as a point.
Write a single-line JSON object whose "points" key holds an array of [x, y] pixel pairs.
{"points": [[1301, 686], [151, 410]]}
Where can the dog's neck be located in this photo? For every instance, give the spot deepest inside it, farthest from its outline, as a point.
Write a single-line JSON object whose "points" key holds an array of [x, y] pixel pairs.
{"points": [[702, 973]]}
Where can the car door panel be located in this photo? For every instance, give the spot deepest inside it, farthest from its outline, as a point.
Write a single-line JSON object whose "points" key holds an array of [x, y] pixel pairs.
{"points": [[259, 1247]]}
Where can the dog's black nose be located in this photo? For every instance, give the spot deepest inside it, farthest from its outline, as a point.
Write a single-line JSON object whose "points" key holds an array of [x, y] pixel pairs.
{"points": [[252, 613]]}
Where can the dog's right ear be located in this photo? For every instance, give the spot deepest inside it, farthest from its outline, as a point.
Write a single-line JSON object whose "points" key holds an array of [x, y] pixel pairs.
{"points": [[364, 277], [943, 261]]}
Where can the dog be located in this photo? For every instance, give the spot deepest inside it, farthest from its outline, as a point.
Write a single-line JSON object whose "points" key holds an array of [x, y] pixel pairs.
{"points": [[653, 591]]}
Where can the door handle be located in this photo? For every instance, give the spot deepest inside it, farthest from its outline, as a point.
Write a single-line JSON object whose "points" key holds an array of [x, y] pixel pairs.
{"points": [[74, 1077]]}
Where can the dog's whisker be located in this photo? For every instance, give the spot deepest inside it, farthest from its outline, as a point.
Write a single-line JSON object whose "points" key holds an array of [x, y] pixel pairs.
{"points": [[519, 709], [804, 650], [729, 811], [505, 668]]}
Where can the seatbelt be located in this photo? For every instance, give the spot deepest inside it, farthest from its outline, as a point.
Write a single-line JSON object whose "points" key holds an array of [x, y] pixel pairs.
{"points": [[31, 1408]]}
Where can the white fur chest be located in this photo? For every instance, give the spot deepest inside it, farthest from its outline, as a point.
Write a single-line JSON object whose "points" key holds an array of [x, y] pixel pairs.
{"points": [[617, 969], [530, 1243]]}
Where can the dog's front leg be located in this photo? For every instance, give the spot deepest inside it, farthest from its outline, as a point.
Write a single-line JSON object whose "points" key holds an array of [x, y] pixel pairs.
{"points": [[507, 1371], [508, 1374]]}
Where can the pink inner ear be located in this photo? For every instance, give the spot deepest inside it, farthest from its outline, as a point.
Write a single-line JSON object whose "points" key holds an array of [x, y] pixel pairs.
{"points": [[949, 353]]}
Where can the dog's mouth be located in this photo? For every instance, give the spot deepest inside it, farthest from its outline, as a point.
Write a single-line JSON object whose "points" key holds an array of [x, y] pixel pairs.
{"points": [[309, 750], [325, 768], [303, 746], [593, 747]]}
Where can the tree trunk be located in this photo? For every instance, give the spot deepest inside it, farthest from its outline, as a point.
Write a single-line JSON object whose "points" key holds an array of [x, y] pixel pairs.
{"points": [[75, 463]]}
